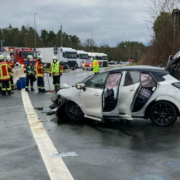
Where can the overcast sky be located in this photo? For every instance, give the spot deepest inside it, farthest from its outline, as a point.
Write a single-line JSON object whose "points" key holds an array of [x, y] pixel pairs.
{"points": [[110, 21]]}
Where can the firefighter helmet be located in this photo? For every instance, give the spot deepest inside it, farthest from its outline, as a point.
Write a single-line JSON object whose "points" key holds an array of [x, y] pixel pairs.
{"points": [[39, 57], [8, 57], [54, 57], [1, 57], [29, 57]]}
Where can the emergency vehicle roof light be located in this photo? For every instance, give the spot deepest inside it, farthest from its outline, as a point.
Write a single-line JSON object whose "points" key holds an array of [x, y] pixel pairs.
{"points": [[22, 49], [34, 49]]}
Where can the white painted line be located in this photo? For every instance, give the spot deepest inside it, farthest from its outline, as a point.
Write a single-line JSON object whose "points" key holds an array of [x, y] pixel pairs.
{"points": [[65, 85], [81, 74], [55, 166]]}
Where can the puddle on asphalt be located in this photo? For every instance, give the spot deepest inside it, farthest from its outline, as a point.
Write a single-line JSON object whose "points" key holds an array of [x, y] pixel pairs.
{"points": [[172, 164], [65, 154], [150, 177]]}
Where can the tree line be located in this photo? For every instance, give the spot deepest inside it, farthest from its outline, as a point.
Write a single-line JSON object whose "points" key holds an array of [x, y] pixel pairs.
{"points": [[24, 37], [165, 40]]}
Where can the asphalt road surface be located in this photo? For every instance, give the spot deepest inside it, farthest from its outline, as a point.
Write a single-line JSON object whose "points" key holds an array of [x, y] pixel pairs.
{"points": [[113, 151]]}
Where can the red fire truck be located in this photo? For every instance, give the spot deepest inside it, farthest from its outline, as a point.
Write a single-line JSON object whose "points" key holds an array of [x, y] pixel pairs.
{"points": [[20, 54]]}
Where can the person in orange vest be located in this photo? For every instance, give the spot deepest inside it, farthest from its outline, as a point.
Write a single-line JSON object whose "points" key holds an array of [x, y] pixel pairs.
{"points": [[39, 68], [11, 65], [4, 76], [95, 67]]}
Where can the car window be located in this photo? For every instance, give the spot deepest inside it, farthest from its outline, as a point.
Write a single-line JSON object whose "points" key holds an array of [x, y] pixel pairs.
{"points": [[98, 81], [112, 85], [147, 80], [113, 80], [132, 77]]}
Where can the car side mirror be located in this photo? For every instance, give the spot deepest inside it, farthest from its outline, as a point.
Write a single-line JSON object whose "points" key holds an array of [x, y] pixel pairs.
{"points": [[81, 86]]}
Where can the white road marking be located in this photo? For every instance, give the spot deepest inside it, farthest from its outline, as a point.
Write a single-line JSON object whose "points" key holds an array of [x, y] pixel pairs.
{"points": [[55, 166], [81, 74], [65, 85]]}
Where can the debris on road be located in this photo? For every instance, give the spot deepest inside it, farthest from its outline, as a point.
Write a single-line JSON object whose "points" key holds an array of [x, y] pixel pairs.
{"points": [[66, 154], [39, 108], [53, 106]]}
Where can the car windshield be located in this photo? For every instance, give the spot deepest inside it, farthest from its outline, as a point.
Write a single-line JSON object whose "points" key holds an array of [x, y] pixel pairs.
{"points": [[26, 53], [83, 56], [85, 80], [89, 61], [104, 58], [71, 55], [99, 57], [177, 55]]}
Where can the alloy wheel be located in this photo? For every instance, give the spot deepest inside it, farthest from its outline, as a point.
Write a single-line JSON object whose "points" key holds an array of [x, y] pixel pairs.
{"points": [[163, 114]]}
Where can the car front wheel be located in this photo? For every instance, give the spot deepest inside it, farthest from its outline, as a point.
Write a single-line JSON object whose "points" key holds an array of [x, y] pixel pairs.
{"points": [[163, 113], [74, 112]]}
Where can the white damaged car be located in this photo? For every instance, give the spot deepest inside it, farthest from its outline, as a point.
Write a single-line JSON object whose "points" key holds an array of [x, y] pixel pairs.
{"points": [[133, 92]]}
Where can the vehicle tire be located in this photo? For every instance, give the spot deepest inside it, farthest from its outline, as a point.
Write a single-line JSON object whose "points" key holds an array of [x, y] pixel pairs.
{"points": [[163, 113], [74, 113]]}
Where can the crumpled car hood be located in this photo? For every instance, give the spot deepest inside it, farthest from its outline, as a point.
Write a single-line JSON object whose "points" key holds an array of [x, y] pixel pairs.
{"points": [[71, 93]]}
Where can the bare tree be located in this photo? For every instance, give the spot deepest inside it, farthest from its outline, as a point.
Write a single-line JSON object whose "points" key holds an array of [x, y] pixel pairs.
{"points": [[166, 26]]}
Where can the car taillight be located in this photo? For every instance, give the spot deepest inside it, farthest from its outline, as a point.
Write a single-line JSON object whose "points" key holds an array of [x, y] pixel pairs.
{"points": [[177, 85]]}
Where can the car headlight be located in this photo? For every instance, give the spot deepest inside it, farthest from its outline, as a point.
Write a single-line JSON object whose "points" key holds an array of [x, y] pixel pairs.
{"points": [[83, 64], [90, 65]]}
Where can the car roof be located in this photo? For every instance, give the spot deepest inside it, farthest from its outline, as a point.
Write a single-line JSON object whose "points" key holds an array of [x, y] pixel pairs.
{"points": [[139, 68]]}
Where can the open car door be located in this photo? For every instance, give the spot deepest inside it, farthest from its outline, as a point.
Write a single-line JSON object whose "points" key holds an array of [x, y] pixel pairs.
{"points": [[173, 66], [92, 97], [127, 94]]}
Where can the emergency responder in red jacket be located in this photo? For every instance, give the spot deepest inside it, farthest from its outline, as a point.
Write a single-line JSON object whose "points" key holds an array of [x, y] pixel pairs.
{"points": [[4, 76], [39, 68], [11, 65], [29, 69]]}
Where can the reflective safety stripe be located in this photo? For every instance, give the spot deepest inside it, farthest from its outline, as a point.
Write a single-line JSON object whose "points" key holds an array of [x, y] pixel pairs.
{"points": [[7, 89], [26, 86], [4, 74], [42, 88]]}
